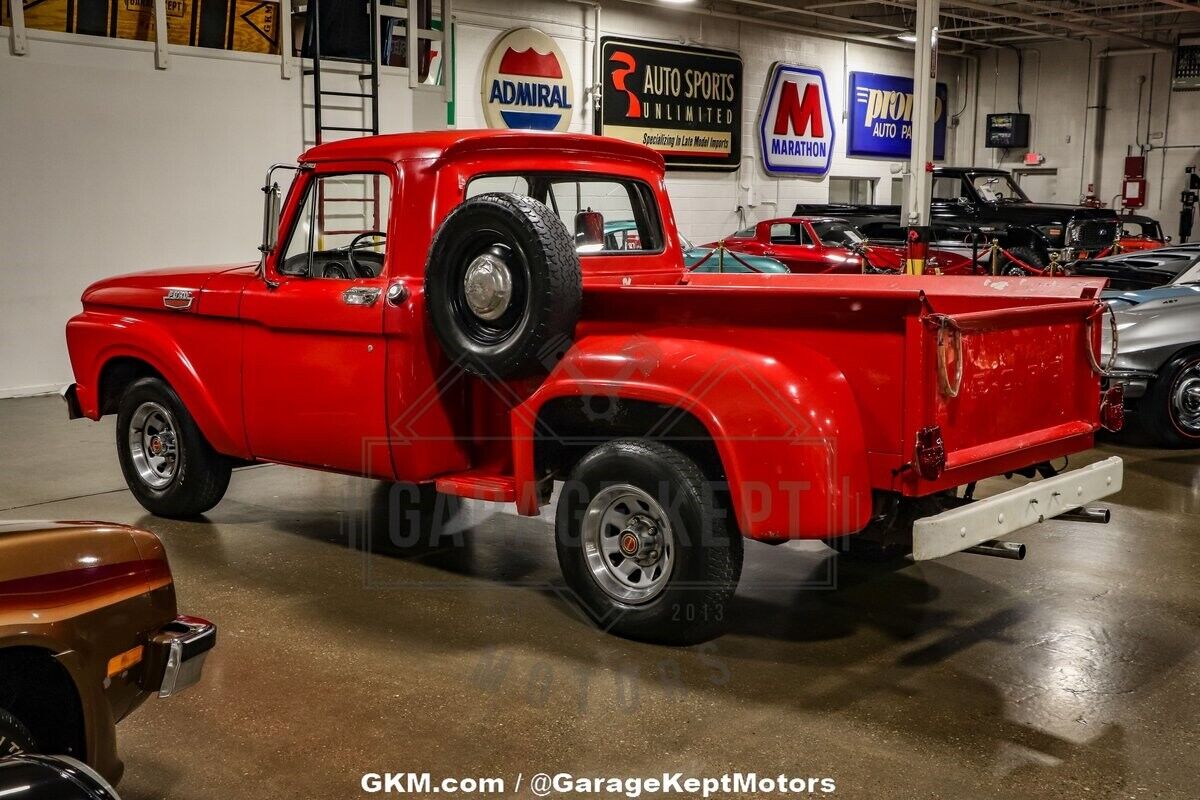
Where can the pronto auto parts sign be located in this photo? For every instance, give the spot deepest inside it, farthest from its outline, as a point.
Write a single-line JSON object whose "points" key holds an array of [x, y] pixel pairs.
{"points": [[685, 102], [881, 117], [795, 123], [526, 83]]}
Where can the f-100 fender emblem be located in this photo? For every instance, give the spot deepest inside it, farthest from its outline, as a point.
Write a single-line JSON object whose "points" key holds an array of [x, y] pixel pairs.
{"points": [[178, 299]]}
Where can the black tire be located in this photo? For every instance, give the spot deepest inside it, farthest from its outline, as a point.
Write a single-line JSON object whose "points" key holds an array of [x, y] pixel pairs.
{"points": [[1026, 254], [693, 602], [199, 475], [1161, 409], [15, 738], [536, 325]]}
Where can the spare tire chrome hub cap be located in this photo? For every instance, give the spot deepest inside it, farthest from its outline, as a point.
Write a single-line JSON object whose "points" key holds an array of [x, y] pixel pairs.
{"points": [[488, 287], [628, 544]]}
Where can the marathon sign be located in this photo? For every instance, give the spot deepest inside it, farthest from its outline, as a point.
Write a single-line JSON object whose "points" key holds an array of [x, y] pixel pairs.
{"points": [[526, 83], [796, 125], [684, 102], [881, 117]]}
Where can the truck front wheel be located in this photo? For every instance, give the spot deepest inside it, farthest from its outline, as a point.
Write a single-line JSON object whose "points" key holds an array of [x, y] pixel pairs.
{"points": [[169, 466], [647, 543], [1027, 255]]}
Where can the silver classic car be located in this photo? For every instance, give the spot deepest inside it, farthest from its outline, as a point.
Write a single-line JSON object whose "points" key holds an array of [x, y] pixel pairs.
{"points": [[1158, 338]]}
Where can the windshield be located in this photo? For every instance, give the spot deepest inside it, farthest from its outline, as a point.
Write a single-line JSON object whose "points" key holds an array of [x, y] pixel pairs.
{"points": [[838, 234], [998, 189], [1191, 275]]}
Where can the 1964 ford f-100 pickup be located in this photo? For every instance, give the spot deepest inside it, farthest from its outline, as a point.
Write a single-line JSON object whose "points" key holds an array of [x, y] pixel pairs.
{"points": [[441, 309]]}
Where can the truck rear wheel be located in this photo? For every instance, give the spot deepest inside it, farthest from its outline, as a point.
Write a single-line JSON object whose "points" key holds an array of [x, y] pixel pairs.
{"points": [[646, 543], [1171, 407], [503, 286], [169, 466], [15, 738]]}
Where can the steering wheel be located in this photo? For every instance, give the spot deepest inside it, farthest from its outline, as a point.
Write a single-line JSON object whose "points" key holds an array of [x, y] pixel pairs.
{"points": [[361, 270]]}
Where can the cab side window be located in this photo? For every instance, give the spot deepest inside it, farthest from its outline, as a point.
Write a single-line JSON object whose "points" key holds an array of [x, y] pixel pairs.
{"points": [[948, 190], [787, 233], [340, 231]]}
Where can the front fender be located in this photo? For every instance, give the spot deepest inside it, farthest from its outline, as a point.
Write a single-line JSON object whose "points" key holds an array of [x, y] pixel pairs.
{"points": [[786, 425], [94, 338]]}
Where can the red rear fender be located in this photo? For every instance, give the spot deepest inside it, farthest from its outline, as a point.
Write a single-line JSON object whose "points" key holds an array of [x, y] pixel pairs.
{"points": [[789, 435]]}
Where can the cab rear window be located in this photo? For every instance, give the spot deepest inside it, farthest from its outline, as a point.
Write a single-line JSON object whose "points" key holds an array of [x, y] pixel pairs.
{"points": [[607, 215]]}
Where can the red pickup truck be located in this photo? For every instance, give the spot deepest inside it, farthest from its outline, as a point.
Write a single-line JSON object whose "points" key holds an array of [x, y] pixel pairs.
{"points": [[440, 309]]}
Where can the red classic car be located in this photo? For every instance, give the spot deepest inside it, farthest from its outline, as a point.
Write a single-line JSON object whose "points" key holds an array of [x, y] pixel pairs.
{"points": [[455, 318], [830, 245]]}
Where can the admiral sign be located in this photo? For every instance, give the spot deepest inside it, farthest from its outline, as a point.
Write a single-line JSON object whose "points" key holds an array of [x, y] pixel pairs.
{"points": [[881, 116], [526, 83], [795, 125], [684, 102]]}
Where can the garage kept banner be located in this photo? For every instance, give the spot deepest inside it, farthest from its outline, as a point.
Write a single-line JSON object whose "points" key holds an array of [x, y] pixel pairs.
{"points": [[881, 116], [685, 102]]}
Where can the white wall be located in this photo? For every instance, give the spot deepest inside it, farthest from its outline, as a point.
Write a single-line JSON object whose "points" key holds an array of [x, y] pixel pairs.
{"points": [[1055, 93], [706, 204], [112, 166]]}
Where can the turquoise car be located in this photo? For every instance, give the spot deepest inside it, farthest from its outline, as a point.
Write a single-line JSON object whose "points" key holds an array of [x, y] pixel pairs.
{"points": [[622, 235]]}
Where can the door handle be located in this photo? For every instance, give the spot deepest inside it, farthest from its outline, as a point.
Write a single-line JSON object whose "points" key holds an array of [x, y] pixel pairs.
{"points": [[361, 296]]}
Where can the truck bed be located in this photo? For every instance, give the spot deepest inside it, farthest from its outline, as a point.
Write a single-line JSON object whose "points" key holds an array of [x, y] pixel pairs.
{"points": [[1027, 393]]}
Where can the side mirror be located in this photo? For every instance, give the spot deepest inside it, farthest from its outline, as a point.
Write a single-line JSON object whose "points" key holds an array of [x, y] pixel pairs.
{"points": [[589, 231], [271, 208]]}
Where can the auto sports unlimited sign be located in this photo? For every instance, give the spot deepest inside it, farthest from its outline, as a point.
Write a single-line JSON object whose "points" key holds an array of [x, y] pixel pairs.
{"points": [[881, 116], [685, 102], [526, 83], [795, 124]]}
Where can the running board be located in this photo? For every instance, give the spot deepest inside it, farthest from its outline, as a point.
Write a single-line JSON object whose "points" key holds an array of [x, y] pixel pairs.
{"points": [[479, 486]]}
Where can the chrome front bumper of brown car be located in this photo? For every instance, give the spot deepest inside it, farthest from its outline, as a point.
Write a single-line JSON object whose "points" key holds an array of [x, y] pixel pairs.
{"points": [[175, 655]]}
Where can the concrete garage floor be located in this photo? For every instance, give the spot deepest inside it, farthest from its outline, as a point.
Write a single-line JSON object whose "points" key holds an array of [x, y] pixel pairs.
{"points": [[1073, 674]]}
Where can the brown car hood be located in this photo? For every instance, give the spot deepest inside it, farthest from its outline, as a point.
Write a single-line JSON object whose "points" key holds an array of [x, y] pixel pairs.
{"points": [[52, 571]]}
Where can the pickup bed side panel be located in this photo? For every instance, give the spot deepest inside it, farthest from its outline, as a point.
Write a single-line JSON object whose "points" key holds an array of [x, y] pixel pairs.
{"points": [[189, 347], [790, 441]]}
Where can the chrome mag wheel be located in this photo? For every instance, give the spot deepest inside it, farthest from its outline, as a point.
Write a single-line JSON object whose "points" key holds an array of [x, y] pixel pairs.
{"points": [[153, 446], [628, 544], [1185, 399]]}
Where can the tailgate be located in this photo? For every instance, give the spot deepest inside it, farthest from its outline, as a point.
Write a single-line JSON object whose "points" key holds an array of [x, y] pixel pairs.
{"points": [[1009, 384]]}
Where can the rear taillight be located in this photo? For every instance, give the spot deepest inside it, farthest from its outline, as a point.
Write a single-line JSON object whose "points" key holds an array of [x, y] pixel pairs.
{"points": [[1112, 408], [931, 453]]}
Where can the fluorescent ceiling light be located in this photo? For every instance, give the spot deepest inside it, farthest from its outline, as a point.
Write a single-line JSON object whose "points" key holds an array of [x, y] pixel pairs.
{"points": [[911, 38]]}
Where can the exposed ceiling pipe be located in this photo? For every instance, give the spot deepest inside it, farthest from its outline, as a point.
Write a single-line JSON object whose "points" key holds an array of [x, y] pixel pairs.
{"points": [[1065, 24], [838, 18], [782, 26], [976, 20]]}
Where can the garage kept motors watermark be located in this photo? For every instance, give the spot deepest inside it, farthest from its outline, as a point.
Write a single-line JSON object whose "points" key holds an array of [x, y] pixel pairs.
{"points": [[684, 102], [881, 117], [796, 126]]}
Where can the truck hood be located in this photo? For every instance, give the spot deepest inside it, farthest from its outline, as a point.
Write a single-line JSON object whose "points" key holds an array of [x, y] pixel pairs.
{"points": [[1049, 213], [148, 289]]}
